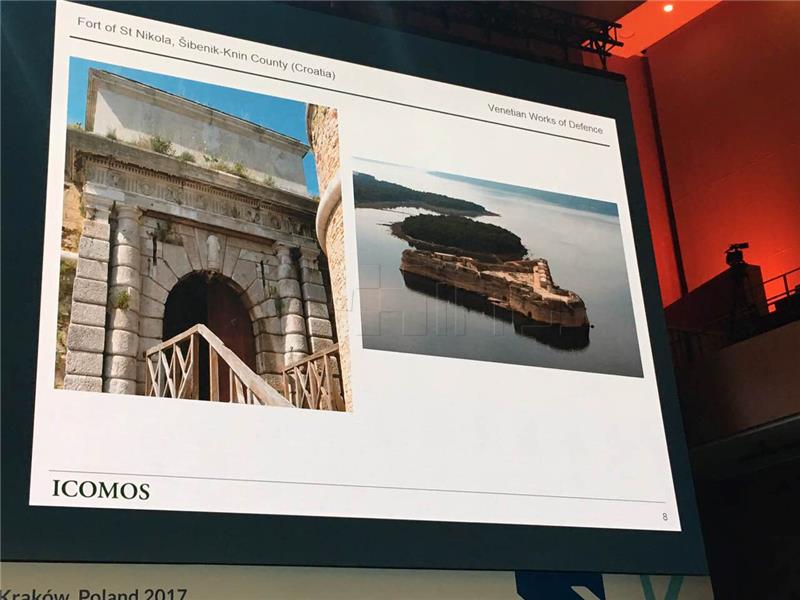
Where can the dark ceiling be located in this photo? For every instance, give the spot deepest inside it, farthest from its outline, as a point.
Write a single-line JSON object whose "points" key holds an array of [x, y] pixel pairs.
{"points": [[555, 31], [599, 9]]}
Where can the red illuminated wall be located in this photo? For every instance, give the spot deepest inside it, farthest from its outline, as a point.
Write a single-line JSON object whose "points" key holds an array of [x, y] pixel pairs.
{"points": [[634, 70], [727, 90]]}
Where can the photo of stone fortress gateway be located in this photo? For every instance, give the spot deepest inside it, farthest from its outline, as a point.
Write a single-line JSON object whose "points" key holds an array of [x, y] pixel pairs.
{"points": [[191, 265]]}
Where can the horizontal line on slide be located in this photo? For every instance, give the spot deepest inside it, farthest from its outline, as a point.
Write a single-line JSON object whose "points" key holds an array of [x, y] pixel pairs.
{"points": [[327, 89], [355, 485]]}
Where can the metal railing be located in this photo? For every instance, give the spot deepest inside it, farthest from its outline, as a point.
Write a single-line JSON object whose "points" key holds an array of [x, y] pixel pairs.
{"points": [[784, 288], [747, 321]]}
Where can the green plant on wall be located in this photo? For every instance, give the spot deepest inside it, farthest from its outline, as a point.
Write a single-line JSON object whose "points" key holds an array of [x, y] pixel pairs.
{"points": [[239, 170], [269, 180], [66, 281], [121, 300], [161, 145], [186, 156]]}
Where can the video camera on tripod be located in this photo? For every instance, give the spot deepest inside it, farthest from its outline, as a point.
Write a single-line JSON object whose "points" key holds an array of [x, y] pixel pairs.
{"points": [[734, 255]]}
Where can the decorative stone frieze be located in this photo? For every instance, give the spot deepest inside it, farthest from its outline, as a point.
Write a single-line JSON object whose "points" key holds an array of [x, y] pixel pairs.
{"points": [[186, 198]]}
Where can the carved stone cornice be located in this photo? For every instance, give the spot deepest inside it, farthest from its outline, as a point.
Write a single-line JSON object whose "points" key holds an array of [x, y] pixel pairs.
{"points": [[84, 146], [189, 199]]}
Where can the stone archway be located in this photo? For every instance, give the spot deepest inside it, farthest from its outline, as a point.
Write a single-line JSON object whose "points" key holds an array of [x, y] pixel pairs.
{"points": [[213, 300]]}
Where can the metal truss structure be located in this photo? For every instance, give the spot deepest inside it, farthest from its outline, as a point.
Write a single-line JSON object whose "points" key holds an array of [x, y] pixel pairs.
{"points": [[524, 29]]}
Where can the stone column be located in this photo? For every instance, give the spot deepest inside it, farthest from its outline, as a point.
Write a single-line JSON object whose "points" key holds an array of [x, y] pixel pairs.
{"points": [[86, 333], [122, 341], [322, 125], [290, 308], [315, 301], [330, 232]]}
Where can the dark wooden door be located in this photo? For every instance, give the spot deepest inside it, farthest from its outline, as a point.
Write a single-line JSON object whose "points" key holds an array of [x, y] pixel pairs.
{"points": [[227, 317], [216, 305]]}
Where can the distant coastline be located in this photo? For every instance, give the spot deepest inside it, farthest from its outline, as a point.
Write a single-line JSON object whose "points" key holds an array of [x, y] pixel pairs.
{"points": [[600, 207], [371, 192]]}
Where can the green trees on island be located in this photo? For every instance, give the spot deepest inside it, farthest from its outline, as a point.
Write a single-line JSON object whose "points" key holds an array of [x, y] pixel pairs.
{"points": [[466, 234]]}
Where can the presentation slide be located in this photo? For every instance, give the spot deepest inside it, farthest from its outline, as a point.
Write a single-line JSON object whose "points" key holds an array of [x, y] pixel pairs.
{"points": [[280, 284]]}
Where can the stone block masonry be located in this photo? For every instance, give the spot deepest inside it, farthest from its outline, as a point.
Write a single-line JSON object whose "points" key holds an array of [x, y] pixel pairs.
{"points": [[86, 332], [335, 246], [122, 342], [315, 299], [295, 345], [323, 133]]}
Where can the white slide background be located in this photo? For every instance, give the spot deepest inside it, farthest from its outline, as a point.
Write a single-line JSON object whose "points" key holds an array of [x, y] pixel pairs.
{"points": [[424, 441]]}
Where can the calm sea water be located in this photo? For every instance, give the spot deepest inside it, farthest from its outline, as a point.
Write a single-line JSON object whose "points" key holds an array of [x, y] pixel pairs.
{"points": [[585, 253]]}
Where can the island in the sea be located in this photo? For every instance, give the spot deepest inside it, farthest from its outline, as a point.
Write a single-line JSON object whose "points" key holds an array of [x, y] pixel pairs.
{"points": [[487, 260], [461, 236], [451, 250]]}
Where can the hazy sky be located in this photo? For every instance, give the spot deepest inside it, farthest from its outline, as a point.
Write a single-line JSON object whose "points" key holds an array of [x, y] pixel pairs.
{"points": [[419, 179], [284, 116], [459, 186]]}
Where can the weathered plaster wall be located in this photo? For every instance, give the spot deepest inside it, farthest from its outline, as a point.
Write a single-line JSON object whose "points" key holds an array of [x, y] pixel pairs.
{"points": [[134, 113]]}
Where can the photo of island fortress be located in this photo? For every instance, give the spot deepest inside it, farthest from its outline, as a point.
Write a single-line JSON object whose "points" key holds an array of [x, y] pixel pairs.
{"points": [[459, 267]]}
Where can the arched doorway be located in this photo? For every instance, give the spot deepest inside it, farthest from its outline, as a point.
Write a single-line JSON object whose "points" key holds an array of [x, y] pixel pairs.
{"points": [[210, 300]]}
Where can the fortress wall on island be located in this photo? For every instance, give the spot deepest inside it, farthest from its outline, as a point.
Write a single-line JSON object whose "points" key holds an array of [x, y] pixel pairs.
{"points": [[523, 286]]}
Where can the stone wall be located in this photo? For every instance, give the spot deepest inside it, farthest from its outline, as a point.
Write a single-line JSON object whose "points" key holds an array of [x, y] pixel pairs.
{"points": [[153, 220], [334, 244], [287, 323], [323, 134], [131, 257], [524, 286], [86, 335], [134, 113]]}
